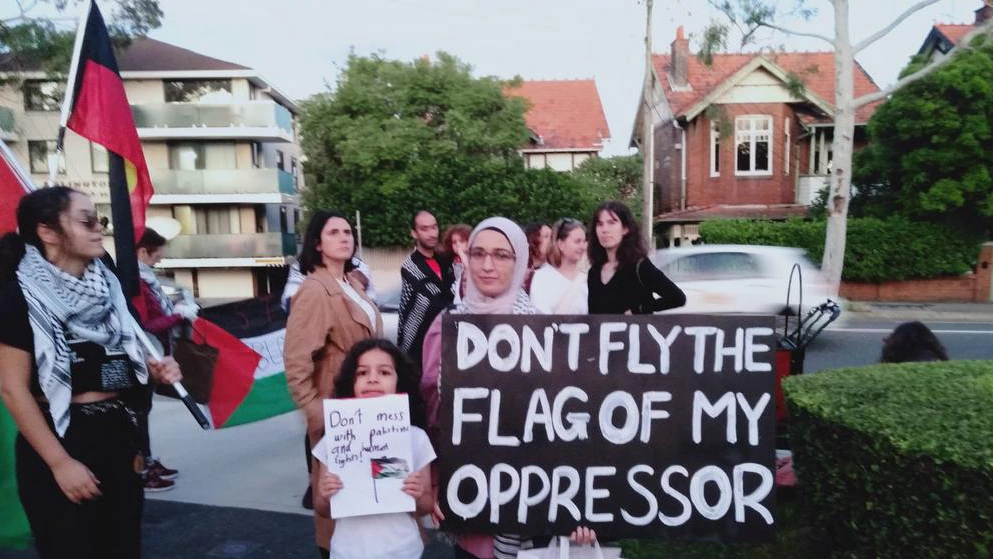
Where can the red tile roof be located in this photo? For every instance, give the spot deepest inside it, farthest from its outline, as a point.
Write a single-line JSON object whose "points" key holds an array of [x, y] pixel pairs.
{"points": [[703, 213], [564, 114], [954, 31], [815, 68]]}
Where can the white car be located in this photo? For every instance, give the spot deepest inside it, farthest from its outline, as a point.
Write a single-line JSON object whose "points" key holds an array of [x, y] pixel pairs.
{"points": [[389, 307], [741, 278]]}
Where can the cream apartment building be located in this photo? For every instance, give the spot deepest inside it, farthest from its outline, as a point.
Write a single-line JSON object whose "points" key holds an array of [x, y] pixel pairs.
{"points": [[222, 149]]}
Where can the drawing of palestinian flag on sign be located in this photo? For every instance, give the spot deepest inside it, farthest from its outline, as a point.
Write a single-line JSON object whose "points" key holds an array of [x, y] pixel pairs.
{"points": [[387, 468]]}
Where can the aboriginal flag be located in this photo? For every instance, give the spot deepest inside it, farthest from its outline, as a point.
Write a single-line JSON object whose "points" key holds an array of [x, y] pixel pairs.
{"points": [[97, 108]]}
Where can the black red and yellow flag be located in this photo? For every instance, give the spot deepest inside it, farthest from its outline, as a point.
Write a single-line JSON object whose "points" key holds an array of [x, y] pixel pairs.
{"points": [[97, 108]]}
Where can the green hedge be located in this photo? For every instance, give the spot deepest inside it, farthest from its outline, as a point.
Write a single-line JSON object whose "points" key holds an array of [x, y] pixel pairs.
{"points": [[877, 250], [896, 460]]}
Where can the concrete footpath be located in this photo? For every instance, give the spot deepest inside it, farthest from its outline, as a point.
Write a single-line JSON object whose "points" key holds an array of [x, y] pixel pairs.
{"points": [[942, 312]]}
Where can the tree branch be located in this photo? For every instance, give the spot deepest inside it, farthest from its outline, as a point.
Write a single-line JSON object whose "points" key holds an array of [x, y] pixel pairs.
{"points": [[882, 32], [824, 38], [963, 45]]}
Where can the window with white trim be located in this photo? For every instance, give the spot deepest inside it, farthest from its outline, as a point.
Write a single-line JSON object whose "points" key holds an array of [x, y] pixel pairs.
{"points": [[786, 160], [753, 145], [715, 150]]}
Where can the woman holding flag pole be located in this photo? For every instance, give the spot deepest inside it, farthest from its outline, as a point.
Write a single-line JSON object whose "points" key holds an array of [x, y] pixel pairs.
{"points": [[69, 352]]}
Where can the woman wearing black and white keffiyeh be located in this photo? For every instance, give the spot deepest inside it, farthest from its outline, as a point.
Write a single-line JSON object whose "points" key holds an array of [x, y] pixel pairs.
{"points": [[68, 356]]}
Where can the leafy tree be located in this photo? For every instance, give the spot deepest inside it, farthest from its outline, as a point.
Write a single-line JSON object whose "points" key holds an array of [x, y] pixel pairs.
{"points": [[752, 16], [37, 30], [394, 137], [614, 178], [931, 146]]}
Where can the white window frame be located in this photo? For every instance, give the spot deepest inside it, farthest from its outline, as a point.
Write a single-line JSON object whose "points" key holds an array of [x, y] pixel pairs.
{"points": [[752, 134], [787, 124], [715, 154]]}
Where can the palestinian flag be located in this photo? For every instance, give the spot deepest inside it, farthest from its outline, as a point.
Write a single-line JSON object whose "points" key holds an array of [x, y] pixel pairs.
{"points": [[96, 107], [238, 398], [389, 468], [14, 530]]}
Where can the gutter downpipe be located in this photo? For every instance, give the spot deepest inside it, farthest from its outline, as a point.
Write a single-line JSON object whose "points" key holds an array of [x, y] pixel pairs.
{"points": [[682, 164]]}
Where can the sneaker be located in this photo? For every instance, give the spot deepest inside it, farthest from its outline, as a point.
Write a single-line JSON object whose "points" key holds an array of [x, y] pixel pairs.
{"points": [[155, 484], [158, 469]]}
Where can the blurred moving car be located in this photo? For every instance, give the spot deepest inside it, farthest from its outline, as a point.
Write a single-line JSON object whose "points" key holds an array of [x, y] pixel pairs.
{"points": [[741, 278], [389, 307]]}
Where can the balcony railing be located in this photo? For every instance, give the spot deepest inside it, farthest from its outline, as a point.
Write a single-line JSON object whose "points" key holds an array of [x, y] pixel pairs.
{"points": [[809, 188], [253, 245], [235, 120], [222, 181]]}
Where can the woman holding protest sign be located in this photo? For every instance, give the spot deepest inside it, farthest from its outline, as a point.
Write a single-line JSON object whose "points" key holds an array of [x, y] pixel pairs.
{"points": [[622, 279], [498, 265], [376, 367], [331, 313], [70, 359], [560, 286]]}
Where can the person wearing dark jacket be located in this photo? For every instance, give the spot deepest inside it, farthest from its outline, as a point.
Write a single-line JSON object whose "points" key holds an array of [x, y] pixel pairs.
{"points": [[622, 280], [427, 278]]}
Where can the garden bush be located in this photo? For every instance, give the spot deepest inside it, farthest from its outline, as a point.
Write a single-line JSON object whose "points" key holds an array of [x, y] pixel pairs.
{"points": [[896, 460], [877, 250]]}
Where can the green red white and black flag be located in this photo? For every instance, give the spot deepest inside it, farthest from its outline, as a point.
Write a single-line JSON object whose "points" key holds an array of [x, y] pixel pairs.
{"points": [[96, 107]]}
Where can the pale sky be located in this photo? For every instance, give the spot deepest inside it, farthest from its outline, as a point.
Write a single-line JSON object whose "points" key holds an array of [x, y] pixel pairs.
{"points": [[300, 45]]}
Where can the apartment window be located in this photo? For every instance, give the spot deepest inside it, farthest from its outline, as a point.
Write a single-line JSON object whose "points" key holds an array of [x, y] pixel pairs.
{"points": [[198, 91], [43, 95], [284, 221], [753, 139], [293, 167], [257, 155], [786, 159], [715, 150], [190, 156], [38, 153], [99, 160], [216, 220], [280, 161]]}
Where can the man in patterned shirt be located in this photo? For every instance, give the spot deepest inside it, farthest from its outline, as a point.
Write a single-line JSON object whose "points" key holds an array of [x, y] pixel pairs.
{"points": [[426, 278]]}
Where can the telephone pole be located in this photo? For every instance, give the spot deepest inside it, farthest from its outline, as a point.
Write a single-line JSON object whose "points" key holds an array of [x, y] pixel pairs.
{"points": [[647, 137]]}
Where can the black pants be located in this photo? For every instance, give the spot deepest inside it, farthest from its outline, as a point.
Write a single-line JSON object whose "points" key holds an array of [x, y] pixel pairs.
{"points": [[102, 437], [142, 407]]}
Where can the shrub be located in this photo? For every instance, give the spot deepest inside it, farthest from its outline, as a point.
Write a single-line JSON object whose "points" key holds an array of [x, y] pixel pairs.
{"points": [[877, 250], [896, 460]]}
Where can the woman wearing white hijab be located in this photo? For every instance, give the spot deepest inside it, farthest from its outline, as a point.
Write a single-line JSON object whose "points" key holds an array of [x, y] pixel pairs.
{"points": [[498, 264]]}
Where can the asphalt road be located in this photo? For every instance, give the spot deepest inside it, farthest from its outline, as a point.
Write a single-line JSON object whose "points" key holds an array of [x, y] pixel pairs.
{"points": [[238, 494]]}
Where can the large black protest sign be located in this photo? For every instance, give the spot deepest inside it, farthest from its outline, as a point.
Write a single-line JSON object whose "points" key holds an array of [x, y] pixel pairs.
{"points": [[634, 426]]}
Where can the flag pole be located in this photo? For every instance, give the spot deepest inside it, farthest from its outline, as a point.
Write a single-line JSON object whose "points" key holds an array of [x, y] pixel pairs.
{"points": [[73, 72]]}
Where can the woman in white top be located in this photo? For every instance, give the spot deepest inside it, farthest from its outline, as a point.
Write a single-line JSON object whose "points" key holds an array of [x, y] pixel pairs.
{"points": [[559, 286]]}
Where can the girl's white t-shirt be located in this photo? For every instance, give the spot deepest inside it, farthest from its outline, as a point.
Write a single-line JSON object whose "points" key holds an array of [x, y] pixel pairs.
{"points": [[381, 536], [549, 289]]}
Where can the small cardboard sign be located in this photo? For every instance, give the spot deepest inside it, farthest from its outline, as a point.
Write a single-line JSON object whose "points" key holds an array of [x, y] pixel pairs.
{"points": [[369, 448]]}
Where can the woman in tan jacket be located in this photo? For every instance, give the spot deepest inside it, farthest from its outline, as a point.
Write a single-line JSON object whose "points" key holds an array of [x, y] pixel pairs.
{"points": [[328, 315]]}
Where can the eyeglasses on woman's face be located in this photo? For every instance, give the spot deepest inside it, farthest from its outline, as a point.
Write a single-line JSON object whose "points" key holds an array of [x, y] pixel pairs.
{"points": [[500, 257]]}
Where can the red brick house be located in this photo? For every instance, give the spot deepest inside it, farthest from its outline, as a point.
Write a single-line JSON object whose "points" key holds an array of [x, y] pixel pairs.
{"points": [[731, 140], [566, 120], [944, 36]]}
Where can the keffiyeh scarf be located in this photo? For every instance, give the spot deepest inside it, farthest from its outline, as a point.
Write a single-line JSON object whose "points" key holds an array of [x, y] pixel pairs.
{"points": [[63, 307], [147, 274]]}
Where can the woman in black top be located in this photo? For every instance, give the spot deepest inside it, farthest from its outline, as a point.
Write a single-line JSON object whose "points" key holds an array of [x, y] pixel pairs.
{"points": [[622, 280], [69, 355]]}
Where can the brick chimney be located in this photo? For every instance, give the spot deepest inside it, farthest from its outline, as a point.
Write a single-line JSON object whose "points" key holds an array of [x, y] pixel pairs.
{"points": [[681, 59], [985, 13]]}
